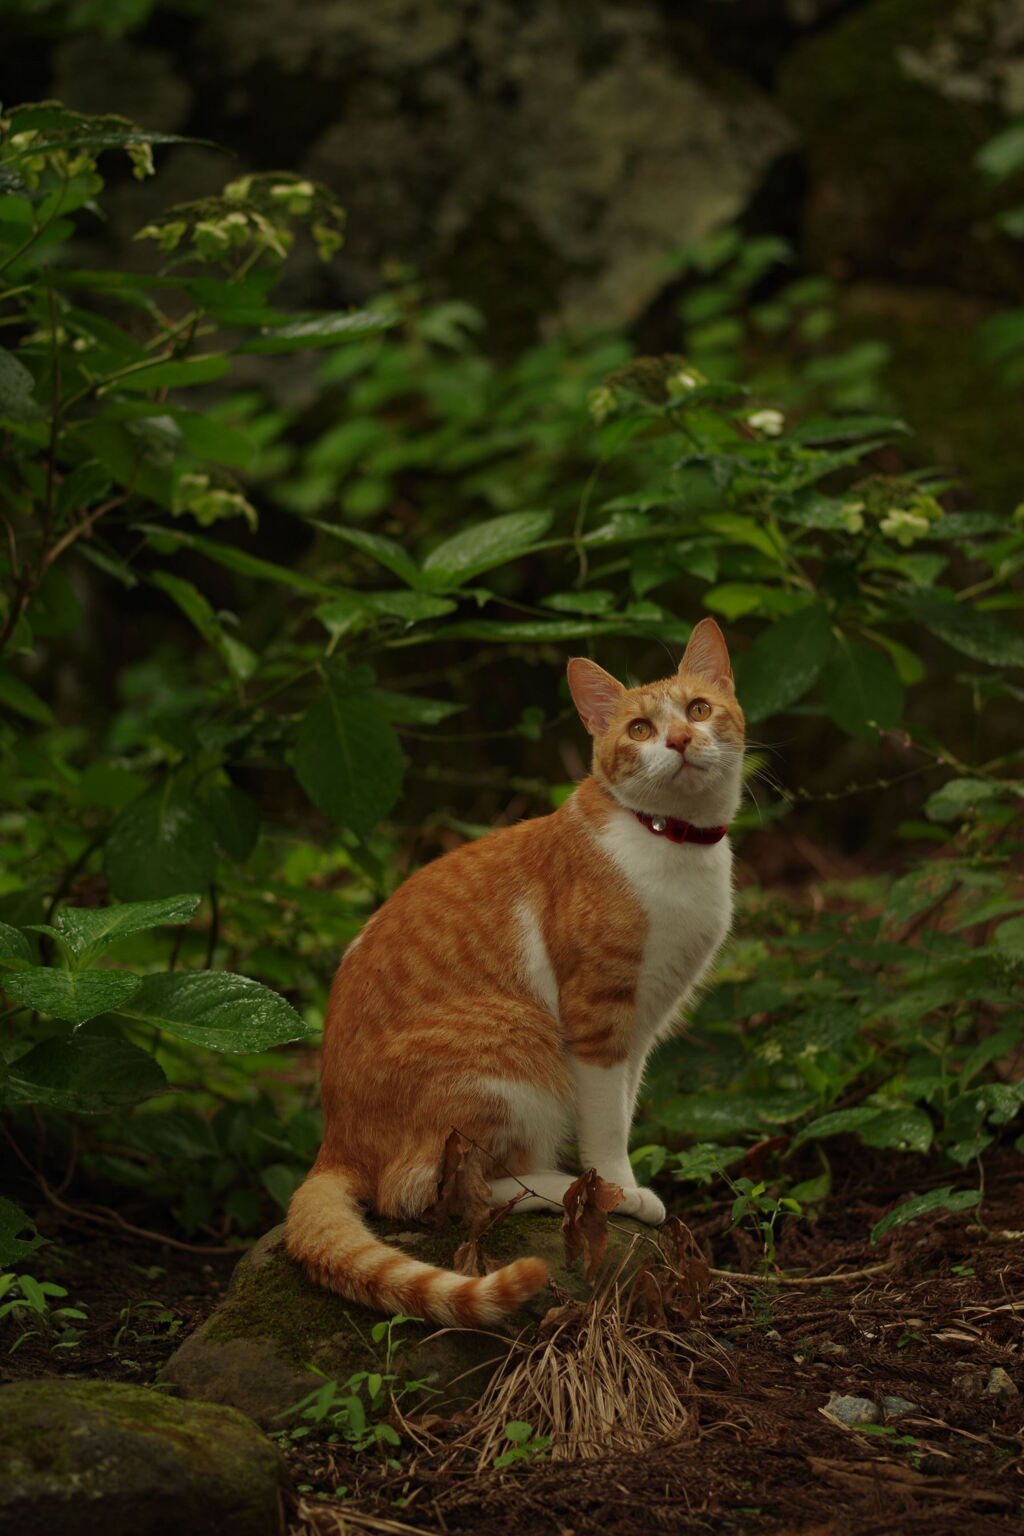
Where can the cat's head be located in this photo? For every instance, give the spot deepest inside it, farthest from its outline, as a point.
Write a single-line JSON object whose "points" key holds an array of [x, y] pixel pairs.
{"points": [[673, 747]]}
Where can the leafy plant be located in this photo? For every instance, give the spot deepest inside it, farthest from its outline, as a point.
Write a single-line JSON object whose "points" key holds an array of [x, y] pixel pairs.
{"points": [[524, 1445], [25, 1299]]}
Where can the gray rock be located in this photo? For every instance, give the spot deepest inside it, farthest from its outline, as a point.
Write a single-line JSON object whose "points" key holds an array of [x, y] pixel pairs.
{"points": [[261, 1348], [1002, 1387], [96, 1458], [894, 1407], [851, 1410]]}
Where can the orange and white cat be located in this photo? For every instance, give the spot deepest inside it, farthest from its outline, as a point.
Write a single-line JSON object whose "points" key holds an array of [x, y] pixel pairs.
{"points": [[513, 990]]}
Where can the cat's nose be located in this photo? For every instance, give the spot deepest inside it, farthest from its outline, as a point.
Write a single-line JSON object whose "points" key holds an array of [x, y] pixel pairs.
{"points": [[679, 741]]}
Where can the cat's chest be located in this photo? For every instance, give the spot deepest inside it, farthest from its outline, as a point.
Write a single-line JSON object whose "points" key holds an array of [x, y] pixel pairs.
{"points": [[685, 893]]}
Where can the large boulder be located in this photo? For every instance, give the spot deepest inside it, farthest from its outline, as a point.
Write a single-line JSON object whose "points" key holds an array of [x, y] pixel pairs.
{"points": [[262, 1348], [97, 1458]]}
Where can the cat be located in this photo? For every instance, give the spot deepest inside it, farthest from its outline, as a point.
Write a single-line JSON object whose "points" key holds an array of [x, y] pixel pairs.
{"points": [[519, 983]]}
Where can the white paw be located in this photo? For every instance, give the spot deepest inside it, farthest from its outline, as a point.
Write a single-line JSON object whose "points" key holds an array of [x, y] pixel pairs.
{"points": [[644, 1205]]}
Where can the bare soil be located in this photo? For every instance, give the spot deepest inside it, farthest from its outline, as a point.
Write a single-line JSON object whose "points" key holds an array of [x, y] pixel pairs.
{"points": [[757, 1368]]}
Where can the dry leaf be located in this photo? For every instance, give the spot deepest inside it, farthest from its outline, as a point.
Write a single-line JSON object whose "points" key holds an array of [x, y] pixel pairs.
{"points": [[466, 1259], [586, 1203], [463, 1190], [671, 1286]]}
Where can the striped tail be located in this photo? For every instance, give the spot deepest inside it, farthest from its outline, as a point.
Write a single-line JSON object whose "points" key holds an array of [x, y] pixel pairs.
{"points": [[326, 1234]]}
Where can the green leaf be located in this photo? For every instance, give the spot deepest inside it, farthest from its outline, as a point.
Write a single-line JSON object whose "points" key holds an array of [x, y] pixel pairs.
{"points": [[783, 662], [969, 630], [173, 374], [1003, 154], [905, 1129], [74, 996], [16, 695], [216, 1009], [1009, 937], [912, 893], [386, 552], [13, 1247], [342, 612], [91, 1072], [524, 631], [214, 441], [88, 931], [237, 559], [324, 330], [235, 821], [160, 846], [238, 659], [704, 1162], [15, 949], [837, 1123], [862, 689], [483, 546], [348, 760], [945, 1199], [958, 798], [717, 1113], [16, 390], [410, 709]]}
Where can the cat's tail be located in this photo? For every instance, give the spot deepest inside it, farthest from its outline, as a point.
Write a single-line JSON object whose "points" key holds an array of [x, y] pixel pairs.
{"points": [[326, 1234]]}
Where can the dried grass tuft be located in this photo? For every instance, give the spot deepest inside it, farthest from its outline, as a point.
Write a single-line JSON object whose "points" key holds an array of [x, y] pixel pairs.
{"points": [[600, 1378]]}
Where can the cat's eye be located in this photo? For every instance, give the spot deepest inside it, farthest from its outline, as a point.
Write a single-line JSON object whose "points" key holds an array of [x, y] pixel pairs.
{"points": [[698, 709], [640, 730]]}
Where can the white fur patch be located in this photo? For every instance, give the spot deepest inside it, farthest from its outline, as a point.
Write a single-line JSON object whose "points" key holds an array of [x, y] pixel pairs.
{"points": [[534, 1118], [534, 961], [686, 892]]}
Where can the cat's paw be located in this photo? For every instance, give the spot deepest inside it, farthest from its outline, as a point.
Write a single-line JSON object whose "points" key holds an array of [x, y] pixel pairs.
{"points": [[643, 1205]]}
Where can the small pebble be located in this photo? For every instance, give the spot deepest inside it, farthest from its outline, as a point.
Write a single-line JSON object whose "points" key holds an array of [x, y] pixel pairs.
{"points": [[894, 1407], [1002, 1387], [851, 1410]]}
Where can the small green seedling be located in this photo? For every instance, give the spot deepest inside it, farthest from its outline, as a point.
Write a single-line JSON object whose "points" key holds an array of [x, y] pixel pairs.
{"points": [[29, 1300], [524, 1446]]}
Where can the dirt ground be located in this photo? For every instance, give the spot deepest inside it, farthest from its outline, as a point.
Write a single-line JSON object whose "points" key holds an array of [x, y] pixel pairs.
{"points": [[756, 1369]]}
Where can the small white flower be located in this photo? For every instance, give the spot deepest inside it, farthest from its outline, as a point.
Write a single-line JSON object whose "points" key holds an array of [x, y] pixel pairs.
{"points": [[685, 379], [904, 527], [769, 422]]}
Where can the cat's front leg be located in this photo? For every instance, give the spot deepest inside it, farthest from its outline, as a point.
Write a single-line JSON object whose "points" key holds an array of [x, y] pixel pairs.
{"points": [[604, 1110]]}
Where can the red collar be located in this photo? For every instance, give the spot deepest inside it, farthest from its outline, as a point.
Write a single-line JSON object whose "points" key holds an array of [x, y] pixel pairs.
{"points": [[680, 831]]}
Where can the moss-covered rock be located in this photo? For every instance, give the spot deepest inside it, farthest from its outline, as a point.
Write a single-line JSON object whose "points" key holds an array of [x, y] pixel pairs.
{"points": [[96, 1458], [262, 1348]]}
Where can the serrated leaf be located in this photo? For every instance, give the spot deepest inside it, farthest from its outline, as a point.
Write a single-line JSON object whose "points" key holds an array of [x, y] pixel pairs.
{"points": [[15, 950], [91, 1072], [348, 760], [862, 689], [160, 846], [74, 996], [945, 1199], [216, 1009], [783, 662], [483, 546], [958, 798], [704, 1162], [524, 631], [971, 631], [238, 560], [87, 930], [13, 1246]]}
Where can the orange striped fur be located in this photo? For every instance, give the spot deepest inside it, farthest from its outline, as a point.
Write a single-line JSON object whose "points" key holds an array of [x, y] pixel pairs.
{"points": [[515, 986]]}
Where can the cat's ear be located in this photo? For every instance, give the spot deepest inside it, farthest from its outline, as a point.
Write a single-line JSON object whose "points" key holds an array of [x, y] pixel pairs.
{"points": [[706, 656], [595, 693]]}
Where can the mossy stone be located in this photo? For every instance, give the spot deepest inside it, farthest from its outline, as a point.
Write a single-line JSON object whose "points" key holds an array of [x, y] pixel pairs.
{"points": [[276, 1334], [97, 1458]]}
